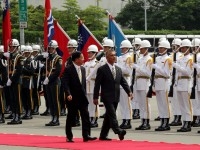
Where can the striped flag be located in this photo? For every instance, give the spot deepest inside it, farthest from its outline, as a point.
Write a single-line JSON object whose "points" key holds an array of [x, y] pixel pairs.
{"points": [[48, 24], [6, 24]]}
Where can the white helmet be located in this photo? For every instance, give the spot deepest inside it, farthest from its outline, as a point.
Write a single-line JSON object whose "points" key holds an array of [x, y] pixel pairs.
{"points": [[125, 44], [176, 41], [22, 48], [36, 47], [164, 44], [28, 49], [145, 44], [92, 48], [1, 48], [72, 43], [136, 41], [195, 42], [161, 39], [14, 42], [53, 44], [108, 42], [186, 43]]}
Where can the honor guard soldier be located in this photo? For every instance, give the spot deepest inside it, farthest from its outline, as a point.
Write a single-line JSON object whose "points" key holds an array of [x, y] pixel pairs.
{"points": [[135, 107], [176, 55], [3, 79], [163, 67], [184, 67], [15, 67], [196, 100], [36, 80], [125, 62], [89, 66], [52, 81], [142, 81], [27, 80]]}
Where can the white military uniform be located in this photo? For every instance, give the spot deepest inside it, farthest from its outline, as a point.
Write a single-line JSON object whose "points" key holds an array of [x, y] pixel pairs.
{"points": [[89, 67], [196, 101], [142, 82], [161, 83], [174, 101], [184, 84], [125, 63]]}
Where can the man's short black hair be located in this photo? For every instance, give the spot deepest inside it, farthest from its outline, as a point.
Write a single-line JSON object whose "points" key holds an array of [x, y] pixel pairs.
{"points": [[76, 55]]}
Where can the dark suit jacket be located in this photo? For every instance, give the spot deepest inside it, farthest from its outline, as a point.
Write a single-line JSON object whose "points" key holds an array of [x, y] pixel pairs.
{"points": [[110, 87], [72, 85]]}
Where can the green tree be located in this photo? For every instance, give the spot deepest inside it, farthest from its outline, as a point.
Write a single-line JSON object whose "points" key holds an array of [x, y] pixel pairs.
{"points": [[93, 17]]}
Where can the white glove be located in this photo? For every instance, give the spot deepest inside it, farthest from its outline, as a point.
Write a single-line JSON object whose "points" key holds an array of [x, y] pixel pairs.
{"points": [[9, 82], [45, 54], [41, 64], [175, 65], [46, 81], [1, 87], [155, 66], [6, 54], [195, 65], [135, 66]]}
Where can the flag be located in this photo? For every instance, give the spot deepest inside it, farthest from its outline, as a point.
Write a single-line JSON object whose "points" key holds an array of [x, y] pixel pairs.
{"points": [[85, 39], [6, 25], [62, 38], [116, 34], [48, 24]]}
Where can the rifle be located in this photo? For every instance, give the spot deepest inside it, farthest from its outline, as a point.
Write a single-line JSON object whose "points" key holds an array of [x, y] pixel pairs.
{"points": [[133, 73], [171, 89], [192, 96], [149, 93]]}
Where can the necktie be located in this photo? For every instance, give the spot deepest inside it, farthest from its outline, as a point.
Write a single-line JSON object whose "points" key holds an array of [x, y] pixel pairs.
{"points": [[79, 74], [113, 72]]}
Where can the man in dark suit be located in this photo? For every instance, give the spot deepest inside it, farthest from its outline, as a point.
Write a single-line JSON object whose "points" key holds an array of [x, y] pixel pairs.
{"points": [[74, 83], [109, 78]]}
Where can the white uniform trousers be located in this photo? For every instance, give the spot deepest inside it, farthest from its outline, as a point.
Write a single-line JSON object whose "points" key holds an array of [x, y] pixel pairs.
{"points": [[185, 105], [144, 105], [125, 105], [196, 104], [163, 104], [93, 109], [174, 103], [134, 102]]}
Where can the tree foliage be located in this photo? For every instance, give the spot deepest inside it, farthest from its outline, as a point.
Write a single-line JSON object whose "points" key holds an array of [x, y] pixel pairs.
{"points": [[162, 14]]}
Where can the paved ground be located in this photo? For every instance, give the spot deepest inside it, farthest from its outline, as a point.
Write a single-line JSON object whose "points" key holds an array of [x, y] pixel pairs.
{"points": [[37, 126]]}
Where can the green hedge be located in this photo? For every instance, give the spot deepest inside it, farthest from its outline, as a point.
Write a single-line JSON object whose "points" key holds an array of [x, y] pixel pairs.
{"points": [[37, 36]]}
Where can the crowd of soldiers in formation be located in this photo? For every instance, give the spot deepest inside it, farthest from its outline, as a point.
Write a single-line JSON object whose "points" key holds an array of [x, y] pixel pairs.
{"points": [[173, 78]]}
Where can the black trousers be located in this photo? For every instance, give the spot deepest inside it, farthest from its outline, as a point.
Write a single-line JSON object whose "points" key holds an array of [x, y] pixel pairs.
{"points": [[46, 97], [110, 120], [1, 102], [53, 99], [26, 95], [35, 93], [15, 95], [62, 98], [72, 112]]}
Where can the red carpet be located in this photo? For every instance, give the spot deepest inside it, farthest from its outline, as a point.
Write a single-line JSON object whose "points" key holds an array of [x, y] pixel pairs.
{"points": [[59, 143]]}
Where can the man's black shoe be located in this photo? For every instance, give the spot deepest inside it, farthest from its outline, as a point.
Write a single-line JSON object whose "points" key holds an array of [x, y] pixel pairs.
{"points": [[9, 116], [86, 139], [53, 123], [105, 139], [103, 116], [35, 113], [121, 134], [13, 122], [157, 119], [46, 113], [25, 117], [2, 120], [69, 140]]}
